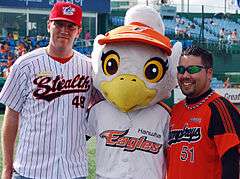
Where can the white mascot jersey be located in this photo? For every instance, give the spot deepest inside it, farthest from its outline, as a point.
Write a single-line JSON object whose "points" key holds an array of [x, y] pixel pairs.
{"points": [[135, 68]]}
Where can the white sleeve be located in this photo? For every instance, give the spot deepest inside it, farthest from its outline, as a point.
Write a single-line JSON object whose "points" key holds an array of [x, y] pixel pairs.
{"points": [[13, 93], [92, 122]]}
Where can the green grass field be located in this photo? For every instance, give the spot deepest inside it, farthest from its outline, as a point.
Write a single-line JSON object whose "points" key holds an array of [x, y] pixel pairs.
{"points": [[91, 154], [91, 158]]}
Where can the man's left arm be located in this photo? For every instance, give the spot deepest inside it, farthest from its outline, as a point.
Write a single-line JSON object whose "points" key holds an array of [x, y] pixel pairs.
{"points": [[224, 128], [230, 164]]}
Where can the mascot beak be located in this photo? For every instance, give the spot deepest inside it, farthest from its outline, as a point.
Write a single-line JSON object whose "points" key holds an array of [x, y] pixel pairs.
{"points": [[127, 92]]}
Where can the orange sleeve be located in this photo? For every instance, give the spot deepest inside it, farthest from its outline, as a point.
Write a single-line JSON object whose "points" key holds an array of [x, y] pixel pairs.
{"points": [[226, 141]]}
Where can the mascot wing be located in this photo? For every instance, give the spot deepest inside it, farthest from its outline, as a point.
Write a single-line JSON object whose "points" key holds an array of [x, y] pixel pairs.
{"points": [[96, 53], [173, 62]]}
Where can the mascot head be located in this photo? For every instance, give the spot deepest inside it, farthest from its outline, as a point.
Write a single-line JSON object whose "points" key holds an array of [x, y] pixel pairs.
{"points": [[134, 64]]}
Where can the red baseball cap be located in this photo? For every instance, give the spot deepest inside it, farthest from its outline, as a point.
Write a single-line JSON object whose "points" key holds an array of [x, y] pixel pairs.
{"points": [[66, 11], [139, 33]]}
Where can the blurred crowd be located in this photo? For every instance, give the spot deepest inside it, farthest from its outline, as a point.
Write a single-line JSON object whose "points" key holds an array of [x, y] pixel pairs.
{"points": [[11, 48], [228, 36], [183, 29]]}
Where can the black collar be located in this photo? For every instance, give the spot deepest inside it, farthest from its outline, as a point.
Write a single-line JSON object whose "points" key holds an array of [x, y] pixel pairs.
{"points": [[199, 98]]}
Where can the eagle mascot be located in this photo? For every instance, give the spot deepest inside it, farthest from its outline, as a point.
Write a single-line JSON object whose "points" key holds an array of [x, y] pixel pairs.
{"points": [[135, 69]]}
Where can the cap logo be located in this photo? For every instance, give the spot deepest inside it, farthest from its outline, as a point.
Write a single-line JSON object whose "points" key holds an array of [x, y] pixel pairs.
{"points": [[140, 29], [68, 10]]}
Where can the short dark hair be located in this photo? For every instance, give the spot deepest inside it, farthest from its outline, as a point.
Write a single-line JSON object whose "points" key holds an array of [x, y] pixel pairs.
{"points": [[206, 56]]}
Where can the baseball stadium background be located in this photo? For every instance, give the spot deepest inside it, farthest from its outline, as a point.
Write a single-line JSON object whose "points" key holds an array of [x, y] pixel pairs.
{"points": [[23, 28]]}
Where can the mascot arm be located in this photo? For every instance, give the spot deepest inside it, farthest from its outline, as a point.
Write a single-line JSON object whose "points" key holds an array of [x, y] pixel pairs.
{"points": [[167, 110], [166, 131], [91, 122]]}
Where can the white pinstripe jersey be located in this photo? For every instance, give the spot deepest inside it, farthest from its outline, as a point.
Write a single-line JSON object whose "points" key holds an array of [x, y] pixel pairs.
{"points": [[52, 99], [129, 145]]}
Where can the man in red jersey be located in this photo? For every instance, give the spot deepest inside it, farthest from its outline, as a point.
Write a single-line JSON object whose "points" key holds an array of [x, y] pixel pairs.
{"points": [[205, 127]]}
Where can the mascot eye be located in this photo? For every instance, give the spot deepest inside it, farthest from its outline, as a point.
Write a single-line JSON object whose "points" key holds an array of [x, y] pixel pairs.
{"points": [[110, 63], [155, 69]]}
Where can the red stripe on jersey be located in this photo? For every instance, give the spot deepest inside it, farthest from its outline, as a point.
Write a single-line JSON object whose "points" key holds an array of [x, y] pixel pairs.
{"points": [[218, 106], [229, 118], [226, 118]]}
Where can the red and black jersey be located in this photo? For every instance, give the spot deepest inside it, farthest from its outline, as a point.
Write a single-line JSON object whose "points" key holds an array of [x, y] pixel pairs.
{"points": [[199, 137]]}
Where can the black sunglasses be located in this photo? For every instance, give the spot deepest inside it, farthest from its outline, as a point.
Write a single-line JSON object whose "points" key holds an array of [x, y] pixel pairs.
{"points": [[60, 24], [190, 69]]}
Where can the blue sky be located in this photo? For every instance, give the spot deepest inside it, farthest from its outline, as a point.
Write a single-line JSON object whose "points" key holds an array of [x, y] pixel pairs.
{"points": [[213, 6]]}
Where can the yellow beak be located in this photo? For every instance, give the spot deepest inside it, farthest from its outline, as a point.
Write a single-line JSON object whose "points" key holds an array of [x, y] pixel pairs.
{"points": [[127, 92]]}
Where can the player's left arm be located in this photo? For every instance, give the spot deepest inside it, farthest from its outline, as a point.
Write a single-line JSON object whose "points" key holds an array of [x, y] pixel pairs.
{"points": [[224, 128], [168, 111]]}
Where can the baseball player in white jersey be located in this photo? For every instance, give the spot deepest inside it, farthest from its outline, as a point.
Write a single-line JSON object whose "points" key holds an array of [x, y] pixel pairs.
{"points": [[46, 95]]}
